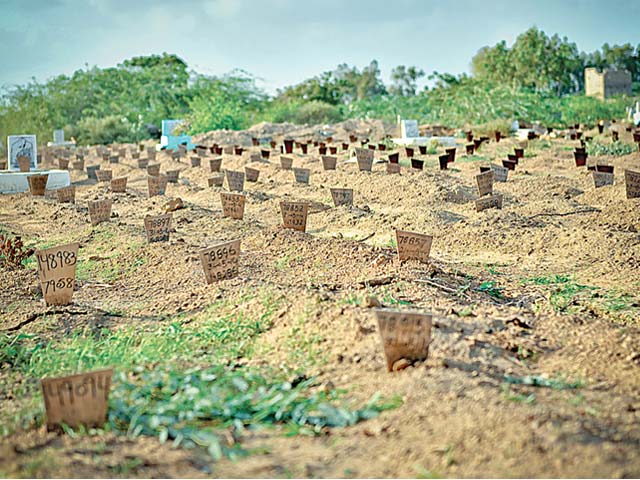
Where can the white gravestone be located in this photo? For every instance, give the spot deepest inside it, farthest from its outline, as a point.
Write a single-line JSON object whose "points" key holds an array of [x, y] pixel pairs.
{"points": [[409, 129], [22, 146]]}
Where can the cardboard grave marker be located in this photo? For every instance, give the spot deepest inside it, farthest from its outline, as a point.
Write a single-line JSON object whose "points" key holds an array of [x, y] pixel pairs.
{"points": [[143, 163], [158, 227], [508, 164], [38, 184], [364, 157], [105, 157], [196, 161], [288, 146], [104, 175], [444, 162], [342, 196], [413, 246], [632, 183], [77, 400], [63, 163], [255, 157], [490, 201], [91, 171], [114, 159], [220, 262], [333, 150], [302, 175], [77, 165], [251, 174], [294, 215], [100, 211], [215, 181], [215, 164], [172, 176], [153, 170], [485, 183], [151, 156], [66, 194], [235, 180], [57, 273], [394, 157], [156, 185], [500, 174], [417, 164], [286, 163], [135, 155], [119, 185], [404, 335], [232, 205], [329, 163], [601, 179], [322, 150], [265, 154], [393, 168]]}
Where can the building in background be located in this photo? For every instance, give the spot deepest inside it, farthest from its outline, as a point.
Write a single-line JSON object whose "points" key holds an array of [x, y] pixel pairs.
{"points": [[606, 84]]}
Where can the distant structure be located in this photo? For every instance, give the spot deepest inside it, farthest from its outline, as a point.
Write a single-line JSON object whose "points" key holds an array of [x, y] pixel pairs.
{"points": [[606, 84]]}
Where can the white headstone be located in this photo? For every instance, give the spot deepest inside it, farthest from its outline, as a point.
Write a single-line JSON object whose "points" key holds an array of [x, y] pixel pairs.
{"points": [[22, 146], [58, 136], [409, 129]]}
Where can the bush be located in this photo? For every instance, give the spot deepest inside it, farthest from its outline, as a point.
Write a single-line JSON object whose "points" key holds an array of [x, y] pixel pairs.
{"points": [[110, 129], [303, 112]]}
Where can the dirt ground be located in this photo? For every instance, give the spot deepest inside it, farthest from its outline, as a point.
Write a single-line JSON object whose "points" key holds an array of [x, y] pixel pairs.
{"points": [[497, 313]]}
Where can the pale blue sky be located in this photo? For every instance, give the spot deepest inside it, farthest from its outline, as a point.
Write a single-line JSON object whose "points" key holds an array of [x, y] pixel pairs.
{"points": [[286, 41]]}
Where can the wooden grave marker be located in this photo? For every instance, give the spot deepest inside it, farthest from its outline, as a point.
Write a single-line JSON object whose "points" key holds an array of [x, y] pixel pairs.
{"points": [[235, 180], [119, 185], [104, 175], [215, 181], [302, 175], [76, 400], [156, 185], [489, 201], [172, 176], [215, 164], [158, 227], [632, 183], [294, 215], [413, 246], [364, 157], [220, 262], [286, 163], [329, 163], [66, 194], [485, 183], [38, 184], [251, 174], [57, 273], [500, 174], [342, 196], [405, 335], [232, 205], [601, 179], [153, 170], [100, 211], [393, 168]]}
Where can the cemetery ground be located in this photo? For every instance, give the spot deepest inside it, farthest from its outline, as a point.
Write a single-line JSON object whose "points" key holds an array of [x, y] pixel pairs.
{"points": [[533, 370]]}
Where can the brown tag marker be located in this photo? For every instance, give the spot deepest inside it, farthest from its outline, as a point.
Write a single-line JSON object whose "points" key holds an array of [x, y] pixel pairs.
{"points": [[196, 161], [632, 183], [119, 185], [66, 194], [153, 170], [215, 164], [220, 261], [329, 163], [24, 163], [251, 174], [294, 215], [302, 175], [57, 273], [172, 176], [286, 163], [38, 184], [490, 201], [157, 227], [100, 211], [601, 179], [485, 183], [405, 335], [500, 174], [104, 175], [156, 185], [393, 168], [235, 180], [216, 181], [413, 246], [144, 162], [232, 205], [77, 399], [364, 156], [342, 196]]}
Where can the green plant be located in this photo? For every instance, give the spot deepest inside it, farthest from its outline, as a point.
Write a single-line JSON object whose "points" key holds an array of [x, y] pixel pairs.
{"points": [[509, 394], [558, 383], [490, 288], [614, 148]]}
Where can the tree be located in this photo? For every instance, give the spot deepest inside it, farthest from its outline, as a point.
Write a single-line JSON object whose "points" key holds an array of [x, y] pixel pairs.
{"points": [[404, 80]]}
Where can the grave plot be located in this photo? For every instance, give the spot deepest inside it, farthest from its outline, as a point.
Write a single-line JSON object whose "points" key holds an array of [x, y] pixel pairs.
{"points": [[401, 312]]}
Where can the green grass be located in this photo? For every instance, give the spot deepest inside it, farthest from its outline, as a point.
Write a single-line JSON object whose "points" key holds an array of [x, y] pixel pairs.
{"points": [[509, 394], [558, 383], [615, 149]]}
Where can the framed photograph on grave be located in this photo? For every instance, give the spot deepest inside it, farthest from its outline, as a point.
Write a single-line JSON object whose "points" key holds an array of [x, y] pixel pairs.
{"points": [[22, 146]]}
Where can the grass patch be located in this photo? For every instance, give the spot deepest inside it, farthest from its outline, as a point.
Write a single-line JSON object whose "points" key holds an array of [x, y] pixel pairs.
{"points": [[509, 394], [558, 383], [616, 149]]}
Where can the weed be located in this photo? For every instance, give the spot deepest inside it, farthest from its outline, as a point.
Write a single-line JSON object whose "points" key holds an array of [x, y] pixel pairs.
{"points": [[509, 394], [616, 149], [13, 253], [558, 383], [490, 288], [422, 472]]}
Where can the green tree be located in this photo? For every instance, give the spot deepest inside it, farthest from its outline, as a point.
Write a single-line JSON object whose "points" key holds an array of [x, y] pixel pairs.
{"points": [[404, 80]]}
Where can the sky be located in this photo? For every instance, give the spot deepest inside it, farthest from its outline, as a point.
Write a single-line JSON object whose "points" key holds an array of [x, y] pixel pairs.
{"points": [[283, 42]]}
